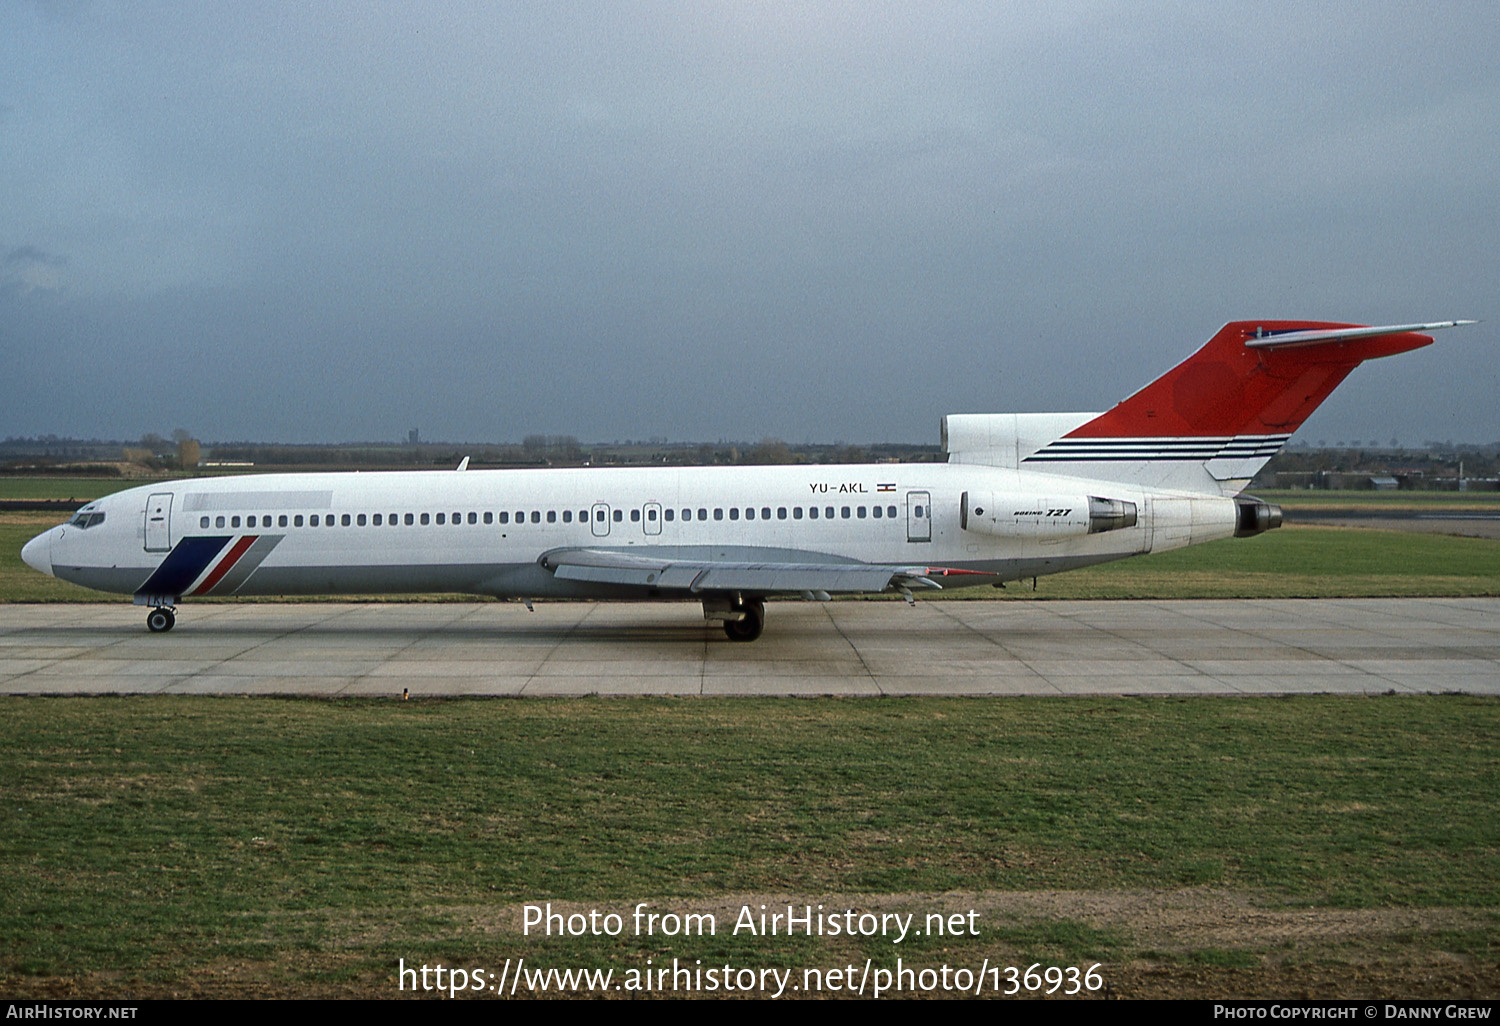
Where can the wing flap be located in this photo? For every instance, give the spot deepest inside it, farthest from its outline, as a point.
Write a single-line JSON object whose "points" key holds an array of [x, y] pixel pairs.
{"points": [[601, 566]]}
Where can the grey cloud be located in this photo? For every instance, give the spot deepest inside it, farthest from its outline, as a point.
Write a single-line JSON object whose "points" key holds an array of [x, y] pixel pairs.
{"points": [[733, 219]]}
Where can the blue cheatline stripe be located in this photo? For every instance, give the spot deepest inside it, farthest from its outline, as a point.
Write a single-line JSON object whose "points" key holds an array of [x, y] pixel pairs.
{"points": [[182, 566]]}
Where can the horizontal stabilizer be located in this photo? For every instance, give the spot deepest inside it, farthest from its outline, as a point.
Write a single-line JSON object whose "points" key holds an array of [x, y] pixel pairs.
{"points": [[1284, 339]]}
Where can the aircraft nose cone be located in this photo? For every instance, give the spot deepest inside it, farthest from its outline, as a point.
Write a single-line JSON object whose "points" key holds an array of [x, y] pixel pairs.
{"points": [[37, 553]]}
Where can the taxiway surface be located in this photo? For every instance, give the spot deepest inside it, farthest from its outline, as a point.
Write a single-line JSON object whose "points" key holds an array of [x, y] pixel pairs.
{"points": [[839, 648]]}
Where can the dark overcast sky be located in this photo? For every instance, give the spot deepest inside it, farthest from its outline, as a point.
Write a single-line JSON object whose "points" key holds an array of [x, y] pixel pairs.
{"points": [[326, 222]]}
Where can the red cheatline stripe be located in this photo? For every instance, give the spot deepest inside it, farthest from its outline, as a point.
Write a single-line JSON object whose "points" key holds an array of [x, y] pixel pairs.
{"points": [[226, 564]]}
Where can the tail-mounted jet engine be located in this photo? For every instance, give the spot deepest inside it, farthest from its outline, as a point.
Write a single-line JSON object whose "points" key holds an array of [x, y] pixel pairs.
{"points": [[1252, 516]]}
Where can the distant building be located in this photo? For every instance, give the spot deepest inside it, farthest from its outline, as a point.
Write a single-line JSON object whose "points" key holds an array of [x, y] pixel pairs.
{"points": [[412, 438]]}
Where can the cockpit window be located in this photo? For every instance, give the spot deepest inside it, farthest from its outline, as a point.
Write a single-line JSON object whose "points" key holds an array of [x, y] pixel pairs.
{"points": [[84, 520]]}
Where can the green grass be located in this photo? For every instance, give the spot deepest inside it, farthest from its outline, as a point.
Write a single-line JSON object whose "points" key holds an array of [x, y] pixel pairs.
{"points": [[150, 842], [77, 489], [1293, 562], [1434, 501]]}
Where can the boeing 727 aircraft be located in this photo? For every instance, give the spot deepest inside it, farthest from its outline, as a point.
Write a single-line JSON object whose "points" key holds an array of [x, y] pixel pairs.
{"points": [[1021, 495]]}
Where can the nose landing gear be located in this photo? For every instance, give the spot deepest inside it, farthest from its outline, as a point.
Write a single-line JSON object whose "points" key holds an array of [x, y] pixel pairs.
{"points": [[161, 619]]}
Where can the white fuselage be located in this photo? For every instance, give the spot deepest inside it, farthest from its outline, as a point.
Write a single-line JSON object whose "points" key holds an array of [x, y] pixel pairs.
{"points": [[486, 532]]}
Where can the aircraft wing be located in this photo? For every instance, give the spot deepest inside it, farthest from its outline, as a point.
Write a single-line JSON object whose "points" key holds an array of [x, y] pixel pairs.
{"points": [[695, 575]]}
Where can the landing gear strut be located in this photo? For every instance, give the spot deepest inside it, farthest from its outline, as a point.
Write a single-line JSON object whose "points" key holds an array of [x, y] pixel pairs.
{"points": [[748, 627], [160, 619]]}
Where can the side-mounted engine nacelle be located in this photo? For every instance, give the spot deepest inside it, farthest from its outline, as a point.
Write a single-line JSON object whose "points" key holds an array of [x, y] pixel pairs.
{"points": [[1048, 516]]}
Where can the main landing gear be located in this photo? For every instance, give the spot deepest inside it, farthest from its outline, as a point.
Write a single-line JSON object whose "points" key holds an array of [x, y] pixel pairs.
{"points": [[749, 626], [161, 619]]}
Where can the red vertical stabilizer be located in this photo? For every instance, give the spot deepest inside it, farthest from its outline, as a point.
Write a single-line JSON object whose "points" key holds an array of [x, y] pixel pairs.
{"points": [[1255, 378]]}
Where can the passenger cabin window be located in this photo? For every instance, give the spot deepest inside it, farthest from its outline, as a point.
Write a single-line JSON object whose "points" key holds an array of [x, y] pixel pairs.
{"points": [[504, 516], [536, 516], [552, 516], [408, 518], [297, 520], [424, 519], [619, 516], [734, 512], [635, 516]]}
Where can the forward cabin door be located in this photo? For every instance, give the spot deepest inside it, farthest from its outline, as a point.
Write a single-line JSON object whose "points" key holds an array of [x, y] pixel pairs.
{"points": [[159, 522], [919, 516]]}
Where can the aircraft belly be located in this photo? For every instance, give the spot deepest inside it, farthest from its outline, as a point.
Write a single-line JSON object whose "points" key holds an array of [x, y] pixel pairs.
{"points": [[120, 580], [408, 579]]}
